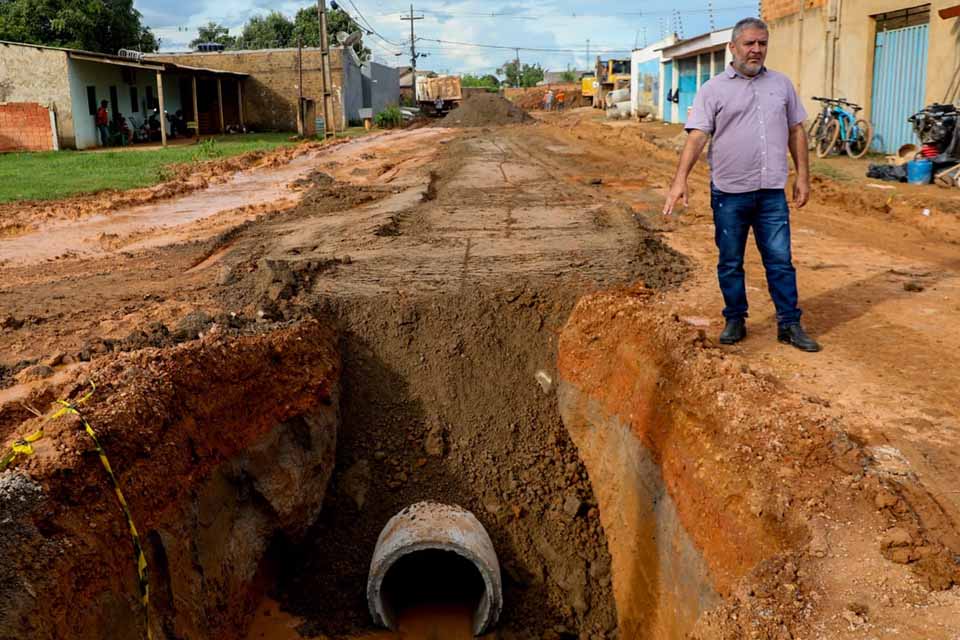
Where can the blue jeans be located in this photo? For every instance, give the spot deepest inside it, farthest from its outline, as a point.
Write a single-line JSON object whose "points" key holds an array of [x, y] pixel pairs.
{"points": [[767, 212], [104, 132]]}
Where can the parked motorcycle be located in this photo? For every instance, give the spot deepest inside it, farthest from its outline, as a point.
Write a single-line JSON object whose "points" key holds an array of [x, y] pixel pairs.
{"points": [[936, 127]]}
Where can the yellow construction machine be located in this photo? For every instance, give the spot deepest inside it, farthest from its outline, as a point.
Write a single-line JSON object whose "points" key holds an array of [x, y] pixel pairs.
{"points": [[610, 76], [588, 87]]}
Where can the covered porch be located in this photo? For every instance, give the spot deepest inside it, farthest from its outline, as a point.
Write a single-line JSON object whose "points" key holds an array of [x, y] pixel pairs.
{"points": [[151, 101]]}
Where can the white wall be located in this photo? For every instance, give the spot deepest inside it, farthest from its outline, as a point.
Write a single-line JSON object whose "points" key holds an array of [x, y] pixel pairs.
{"points": [[82, 73], [637, 58]]}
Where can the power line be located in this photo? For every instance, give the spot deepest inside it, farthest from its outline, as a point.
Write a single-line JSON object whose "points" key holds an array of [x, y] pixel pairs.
{"points": [[370, 27], [578, 15], [522, 48]]}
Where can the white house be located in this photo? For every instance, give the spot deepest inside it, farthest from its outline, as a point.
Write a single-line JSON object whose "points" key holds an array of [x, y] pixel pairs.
{"points": [[686, 66], [645, 74]]}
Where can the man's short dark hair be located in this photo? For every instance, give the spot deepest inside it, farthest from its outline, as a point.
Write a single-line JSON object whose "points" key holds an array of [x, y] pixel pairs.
{"points": [[748, 23], [104, 103]]}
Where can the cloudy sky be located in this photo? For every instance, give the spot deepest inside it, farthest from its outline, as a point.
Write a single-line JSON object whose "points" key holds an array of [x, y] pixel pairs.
{"points": [[559, 28]]}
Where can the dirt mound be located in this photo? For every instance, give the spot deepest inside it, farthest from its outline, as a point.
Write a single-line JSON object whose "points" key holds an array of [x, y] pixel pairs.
{"points": [[533, 98], [483, 110]]}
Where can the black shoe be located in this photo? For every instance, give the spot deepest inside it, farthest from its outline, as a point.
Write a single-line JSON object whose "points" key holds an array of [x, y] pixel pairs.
{"points": [[795, 335], [734, 332]]}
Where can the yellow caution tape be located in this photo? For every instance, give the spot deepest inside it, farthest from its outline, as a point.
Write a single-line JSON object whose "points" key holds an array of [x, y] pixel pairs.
{"points": [[24, 447]]}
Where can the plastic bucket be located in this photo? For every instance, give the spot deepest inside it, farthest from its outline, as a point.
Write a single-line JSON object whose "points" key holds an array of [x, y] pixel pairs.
{"points": [[919, 172]]}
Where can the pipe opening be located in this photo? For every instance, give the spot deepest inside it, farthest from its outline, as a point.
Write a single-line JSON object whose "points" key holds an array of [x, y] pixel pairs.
{"points": [[435, 584], [438, 557]]}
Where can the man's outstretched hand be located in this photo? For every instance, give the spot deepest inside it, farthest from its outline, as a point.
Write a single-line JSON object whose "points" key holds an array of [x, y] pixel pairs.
{"points": [[801, 193], [678, 192]]}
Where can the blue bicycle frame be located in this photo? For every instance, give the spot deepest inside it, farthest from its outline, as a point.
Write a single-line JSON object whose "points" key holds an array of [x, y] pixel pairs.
{"points": [[848, 124]]}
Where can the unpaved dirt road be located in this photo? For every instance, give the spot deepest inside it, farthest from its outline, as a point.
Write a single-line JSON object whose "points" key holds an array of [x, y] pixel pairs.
{"points": [[442, 211]]}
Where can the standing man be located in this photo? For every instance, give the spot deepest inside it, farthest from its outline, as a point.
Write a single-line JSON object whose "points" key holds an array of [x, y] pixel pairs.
{"points": [[754, 117], [548, 100], [103, 122], [561, 99]]}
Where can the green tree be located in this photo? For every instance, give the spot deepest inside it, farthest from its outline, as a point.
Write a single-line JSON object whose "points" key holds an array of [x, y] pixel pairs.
{"points": [[568, 76], [94, 25], [486, 82], [305, 26], [213, 32], [528, 75], [273, 31]]}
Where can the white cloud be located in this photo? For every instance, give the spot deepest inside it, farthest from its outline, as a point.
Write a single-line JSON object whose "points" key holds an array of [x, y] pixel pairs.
{"points": [[559, 24]]}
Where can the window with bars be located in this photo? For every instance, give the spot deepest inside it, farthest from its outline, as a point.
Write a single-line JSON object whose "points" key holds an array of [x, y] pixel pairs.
{"points": [[903, 18]]}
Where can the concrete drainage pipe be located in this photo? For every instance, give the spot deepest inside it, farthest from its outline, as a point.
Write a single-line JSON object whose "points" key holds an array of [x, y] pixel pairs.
{"points": [[433, 551]]}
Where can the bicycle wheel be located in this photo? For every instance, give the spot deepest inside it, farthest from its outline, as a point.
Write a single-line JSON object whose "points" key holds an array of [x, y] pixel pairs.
{"points": [[813, 133], [863, 136], [828, 141]]}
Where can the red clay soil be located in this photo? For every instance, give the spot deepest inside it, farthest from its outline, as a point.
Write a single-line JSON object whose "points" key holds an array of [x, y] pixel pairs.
{"points": [[167, 419], [852, 446], [818, 488], [484, 110], [532, 99], [753, 510]]}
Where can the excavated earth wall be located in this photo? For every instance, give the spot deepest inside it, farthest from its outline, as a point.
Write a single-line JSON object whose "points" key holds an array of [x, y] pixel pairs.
{"points": [[221, 445], [688, 519]]}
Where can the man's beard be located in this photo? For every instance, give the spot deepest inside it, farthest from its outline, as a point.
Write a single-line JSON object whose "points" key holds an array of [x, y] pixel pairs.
{"points": [[751, 67]]}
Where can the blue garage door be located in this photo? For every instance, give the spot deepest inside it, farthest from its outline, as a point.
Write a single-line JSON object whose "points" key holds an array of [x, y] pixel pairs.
{"points": [[899, 85], [688, 86]]}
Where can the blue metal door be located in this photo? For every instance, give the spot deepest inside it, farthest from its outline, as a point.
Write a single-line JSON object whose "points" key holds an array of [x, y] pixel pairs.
{"points": [[688, 86], [667, 89], [899, 85]]}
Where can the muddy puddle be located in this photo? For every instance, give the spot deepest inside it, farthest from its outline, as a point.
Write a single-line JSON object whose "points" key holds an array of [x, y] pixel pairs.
{"points": [[103, 232], [428, 622]]}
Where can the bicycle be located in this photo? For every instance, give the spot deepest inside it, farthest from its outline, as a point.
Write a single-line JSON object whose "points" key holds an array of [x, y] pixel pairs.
{"points": [[841, 130], [819, 126]]}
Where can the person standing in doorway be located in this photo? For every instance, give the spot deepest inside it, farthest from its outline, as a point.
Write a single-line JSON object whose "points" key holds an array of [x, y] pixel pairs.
{"points": [[754, 117], [103, 123]]}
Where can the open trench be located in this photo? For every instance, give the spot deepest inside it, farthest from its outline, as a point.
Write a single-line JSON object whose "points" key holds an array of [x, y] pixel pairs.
{"points": [[267, 456]]}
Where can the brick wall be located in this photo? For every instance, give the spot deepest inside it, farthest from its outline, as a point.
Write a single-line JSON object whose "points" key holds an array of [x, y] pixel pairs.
{"points": [[38, 75], [776, 9], [270, 91], [25, 126]]}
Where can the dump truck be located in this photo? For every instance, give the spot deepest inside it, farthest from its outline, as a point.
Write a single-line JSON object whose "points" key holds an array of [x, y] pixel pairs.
{"points": [[610, 76], [437, 96]]}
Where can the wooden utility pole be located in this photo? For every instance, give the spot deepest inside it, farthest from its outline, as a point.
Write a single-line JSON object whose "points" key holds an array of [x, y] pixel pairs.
{"points": [[329, 127], [300, 127]]}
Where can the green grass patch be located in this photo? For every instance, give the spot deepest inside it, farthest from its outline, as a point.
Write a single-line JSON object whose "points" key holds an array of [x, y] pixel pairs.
{"points": [[58, 174], [830, 171]]}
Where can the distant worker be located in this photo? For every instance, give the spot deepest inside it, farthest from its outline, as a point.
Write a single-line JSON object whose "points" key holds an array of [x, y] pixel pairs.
{"points": [[103, 123], [561, 99], [754, 117], [548, 100]]}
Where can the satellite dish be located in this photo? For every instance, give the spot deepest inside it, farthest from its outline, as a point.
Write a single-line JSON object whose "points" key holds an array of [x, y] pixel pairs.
{"points": [[349, 40]]}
